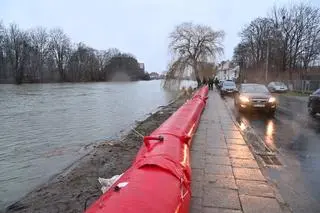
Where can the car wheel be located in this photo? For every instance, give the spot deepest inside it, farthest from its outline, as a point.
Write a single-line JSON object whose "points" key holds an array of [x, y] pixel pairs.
{"points": [[271, 113], [310, 110]]}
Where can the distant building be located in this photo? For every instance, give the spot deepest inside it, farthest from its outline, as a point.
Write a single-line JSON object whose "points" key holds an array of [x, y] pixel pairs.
{"points": [[227, 71], [154, 75], [141, 66]]}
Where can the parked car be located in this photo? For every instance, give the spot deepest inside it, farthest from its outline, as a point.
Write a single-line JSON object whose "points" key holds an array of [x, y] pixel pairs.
{"points": [[255, 97], [228, 87], [277, 87], [314, 103]]}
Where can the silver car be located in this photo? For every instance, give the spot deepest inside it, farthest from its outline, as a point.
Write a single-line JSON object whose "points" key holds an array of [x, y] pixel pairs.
{"points": [[228, 87], [277, 87]]}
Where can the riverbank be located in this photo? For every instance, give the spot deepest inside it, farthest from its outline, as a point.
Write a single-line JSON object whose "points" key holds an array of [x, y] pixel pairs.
{"points": [[77, 187]]}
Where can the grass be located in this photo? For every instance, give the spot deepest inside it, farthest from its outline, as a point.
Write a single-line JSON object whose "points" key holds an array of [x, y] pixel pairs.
{"points": [[298, 93]]}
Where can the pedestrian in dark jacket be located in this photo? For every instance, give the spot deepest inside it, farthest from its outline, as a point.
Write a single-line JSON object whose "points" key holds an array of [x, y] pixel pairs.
{"points": [[204, 81], [216, 82], [210, 83]]}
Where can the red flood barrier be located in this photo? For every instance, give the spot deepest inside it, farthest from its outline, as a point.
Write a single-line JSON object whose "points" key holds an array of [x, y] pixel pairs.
{"points": [[159, 178]]}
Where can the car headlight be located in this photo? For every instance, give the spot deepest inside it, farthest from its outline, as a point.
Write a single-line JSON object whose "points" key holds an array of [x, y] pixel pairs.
{"points": [[272, 100], [244, 99]]}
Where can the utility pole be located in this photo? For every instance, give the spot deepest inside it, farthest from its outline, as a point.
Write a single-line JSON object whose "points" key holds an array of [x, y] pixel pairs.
{"points": [[267, 62]]}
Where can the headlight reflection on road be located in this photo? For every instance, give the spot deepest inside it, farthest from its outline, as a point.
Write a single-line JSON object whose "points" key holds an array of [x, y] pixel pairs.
{"points": [[243, 122], [269, 134], [242, 126]]}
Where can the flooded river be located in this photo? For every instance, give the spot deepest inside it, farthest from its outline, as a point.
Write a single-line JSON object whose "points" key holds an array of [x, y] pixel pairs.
{"points": [[46, 127]]}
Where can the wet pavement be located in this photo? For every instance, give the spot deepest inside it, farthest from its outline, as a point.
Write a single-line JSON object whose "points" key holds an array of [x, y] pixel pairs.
{"points": [[294, 139], [225, 174]]}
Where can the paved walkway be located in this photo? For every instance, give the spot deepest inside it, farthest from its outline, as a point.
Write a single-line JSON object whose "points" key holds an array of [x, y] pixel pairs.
{"points": [[225, 175]]}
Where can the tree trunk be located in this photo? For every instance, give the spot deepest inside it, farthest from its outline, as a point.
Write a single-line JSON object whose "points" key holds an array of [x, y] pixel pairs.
{"points": [[196, 73]]}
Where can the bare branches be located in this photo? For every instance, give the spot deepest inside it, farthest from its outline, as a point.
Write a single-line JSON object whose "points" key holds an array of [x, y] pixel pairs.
{"points": [[39, 55], [190, 45], [291, 35]]}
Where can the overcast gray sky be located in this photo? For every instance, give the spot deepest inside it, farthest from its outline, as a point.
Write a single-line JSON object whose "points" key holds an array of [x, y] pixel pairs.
{"points": [[140, 27]]}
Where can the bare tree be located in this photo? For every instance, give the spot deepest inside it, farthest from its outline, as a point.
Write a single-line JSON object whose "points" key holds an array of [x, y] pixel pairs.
{"points": [[3, 68], [193, 44], [60, 47], [290, 36], [39, 40], [17, 49], [35, 56]]}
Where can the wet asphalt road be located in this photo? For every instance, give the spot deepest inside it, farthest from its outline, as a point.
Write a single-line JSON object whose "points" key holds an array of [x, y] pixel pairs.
{"points": [[295, 138]]}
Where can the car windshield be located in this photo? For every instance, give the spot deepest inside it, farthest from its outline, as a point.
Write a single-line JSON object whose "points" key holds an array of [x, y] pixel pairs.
{"points": [[279, 84], [229, 84], [254, 89], [317, 92]]}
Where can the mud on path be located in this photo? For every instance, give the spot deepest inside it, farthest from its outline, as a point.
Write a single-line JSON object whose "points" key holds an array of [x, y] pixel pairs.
{"points": [[78, 187]]}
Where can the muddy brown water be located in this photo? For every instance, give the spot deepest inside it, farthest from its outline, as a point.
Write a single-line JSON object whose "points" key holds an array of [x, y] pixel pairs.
{"points": [[46, 127]]}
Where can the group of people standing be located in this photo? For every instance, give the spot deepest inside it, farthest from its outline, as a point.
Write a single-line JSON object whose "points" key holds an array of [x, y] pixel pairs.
{"points": [[209, 81]]}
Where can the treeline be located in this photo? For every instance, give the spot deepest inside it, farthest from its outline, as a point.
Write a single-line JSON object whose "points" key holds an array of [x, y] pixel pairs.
{"points": [[285, 41], [39, 55]]}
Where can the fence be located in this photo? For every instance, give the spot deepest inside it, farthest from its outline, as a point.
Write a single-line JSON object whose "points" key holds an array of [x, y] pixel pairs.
{"points": [[304, 86]]}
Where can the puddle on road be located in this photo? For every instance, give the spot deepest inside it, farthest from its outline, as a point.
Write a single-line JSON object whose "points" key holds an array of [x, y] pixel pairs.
{"points": [[264, 148]]}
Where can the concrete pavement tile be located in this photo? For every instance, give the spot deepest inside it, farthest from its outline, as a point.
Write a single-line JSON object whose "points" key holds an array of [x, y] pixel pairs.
{"points": [[238, 147], [198, 147], [198, 163], [222, 198], [215, 134], [227, 125], [220, 181], [240, 154], [196, 201], [212, 144], [218, 169], [217, 152], [225, 119], [199, 131], [196, 210], [196, 189], [233, 135], [215, 137], [199, 141], [229, 128], [219, 210], [196, 204], [214, 120], [235, 141], [255, 188], [248, 174], [197, 154], [207, 120], [199, 137], [197, 174], [202, 127], [244, 163], [251, 204], [219, 160]]}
